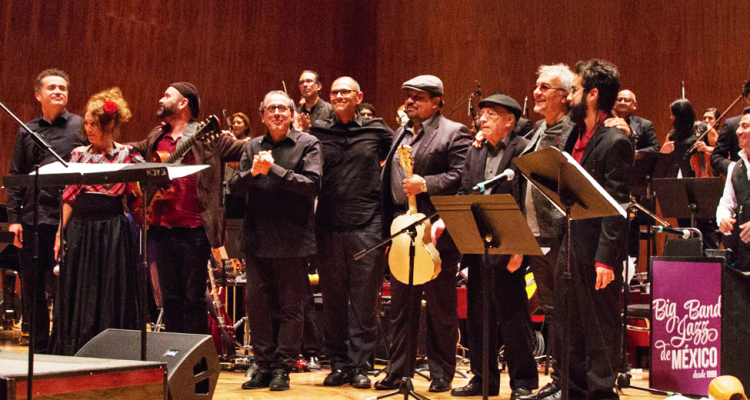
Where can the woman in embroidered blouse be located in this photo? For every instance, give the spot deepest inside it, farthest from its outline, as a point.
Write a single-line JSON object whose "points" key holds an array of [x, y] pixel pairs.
{"points": [[98, 282]]}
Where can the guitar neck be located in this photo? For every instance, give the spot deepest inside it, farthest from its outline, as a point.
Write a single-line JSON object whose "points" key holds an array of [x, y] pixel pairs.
{"points": [[181, 150], [413, 198]]}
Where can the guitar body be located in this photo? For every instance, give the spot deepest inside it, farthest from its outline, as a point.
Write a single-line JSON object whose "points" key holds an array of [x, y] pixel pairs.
{"points": [[427, 263]]}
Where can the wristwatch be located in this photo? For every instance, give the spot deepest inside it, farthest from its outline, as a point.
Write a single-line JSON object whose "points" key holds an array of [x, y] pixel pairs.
{"points": [[423, 186]]}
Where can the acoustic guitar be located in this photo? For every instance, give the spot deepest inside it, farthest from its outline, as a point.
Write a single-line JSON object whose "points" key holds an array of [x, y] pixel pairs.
{"points": [[426, 257], [207, 131]]}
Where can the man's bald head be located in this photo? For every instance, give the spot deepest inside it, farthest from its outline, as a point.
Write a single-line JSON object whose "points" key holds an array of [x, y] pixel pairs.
{"points": [[626, 104], [345, 95]]}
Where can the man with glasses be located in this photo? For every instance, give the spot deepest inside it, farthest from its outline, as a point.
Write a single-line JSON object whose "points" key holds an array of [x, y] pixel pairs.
{"points": [[439, 147], [607, 154], [642, 130], [313, 108], [281, 174], [347, 221], [508, 300]]}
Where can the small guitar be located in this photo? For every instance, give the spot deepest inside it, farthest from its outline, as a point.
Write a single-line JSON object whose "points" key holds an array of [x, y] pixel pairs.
{"points": [[220, 325], [426, 257], [207, 131]]}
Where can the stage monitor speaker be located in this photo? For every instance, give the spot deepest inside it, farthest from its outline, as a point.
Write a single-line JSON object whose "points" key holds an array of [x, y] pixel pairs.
{"points": [[192, 362], [692, 247]]}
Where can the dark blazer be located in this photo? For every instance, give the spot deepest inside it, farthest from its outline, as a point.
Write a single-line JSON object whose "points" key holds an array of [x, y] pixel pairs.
{"points": [[523, 127], [439, 160], [642, 131], [727, 147], [608, 158], [210, 180], [476, 162]]}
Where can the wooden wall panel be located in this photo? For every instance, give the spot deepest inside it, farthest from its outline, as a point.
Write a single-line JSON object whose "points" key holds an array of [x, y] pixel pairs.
{"points": [[237, 50]]}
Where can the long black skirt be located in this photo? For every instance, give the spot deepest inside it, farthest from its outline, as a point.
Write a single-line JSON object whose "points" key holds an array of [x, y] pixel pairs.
{"points": [[98, 282]]}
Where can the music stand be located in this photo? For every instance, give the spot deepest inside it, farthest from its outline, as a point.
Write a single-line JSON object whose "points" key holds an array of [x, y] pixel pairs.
{"points": [[574, 192], [56, 175], [689, 197], [486, 225]]}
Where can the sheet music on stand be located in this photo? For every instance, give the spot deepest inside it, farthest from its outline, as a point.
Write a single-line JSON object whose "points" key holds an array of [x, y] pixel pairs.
{"points": [[545, 164]]}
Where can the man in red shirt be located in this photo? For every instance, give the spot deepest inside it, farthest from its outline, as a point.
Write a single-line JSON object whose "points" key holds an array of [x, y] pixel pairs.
{"points": [[190, 221]]}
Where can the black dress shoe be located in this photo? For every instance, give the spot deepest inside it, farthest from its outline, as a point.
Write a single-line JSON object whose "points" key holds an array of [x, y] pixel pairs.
{"points": [[519, 392], [474, 388], [337, 377], [554, 396], [440, 385], [548, 390], [280, 380], [261, 379], [390, 382], [359, 379]]}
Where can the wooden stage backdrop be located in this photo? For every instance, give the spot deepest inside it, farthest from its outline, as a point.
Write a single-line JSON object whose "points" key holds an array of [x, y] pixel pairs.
{"points": [[237, 50]]}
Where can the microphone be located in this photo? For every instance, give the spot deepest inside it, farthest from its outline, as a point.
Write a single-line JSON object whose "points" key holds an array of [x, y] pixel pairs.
{"points": [[507, 175], [682, 233], [478, 92]]}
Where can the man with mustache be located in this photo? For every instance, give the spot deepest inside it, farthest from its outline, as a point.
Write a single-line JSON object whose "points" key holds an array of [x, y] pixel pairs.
{"points": [[62, 130], [347, 221], [313, 108], [439, 147], [598, 244], [190, 221]]}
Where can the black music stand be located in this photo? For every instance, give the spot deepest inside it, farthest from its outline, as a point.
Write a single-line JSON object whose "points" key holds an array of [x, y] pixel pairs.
{"points": [[579, 196], [689, 197], [87, 174], [486, 225], [649, 166]]}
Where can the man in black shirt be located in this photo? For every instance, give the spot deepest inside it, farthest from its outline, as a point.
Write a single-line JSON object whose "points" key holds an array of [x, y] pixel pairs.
{"points": [[347, 221], [313, 108], [281, 173], [63, 132]]}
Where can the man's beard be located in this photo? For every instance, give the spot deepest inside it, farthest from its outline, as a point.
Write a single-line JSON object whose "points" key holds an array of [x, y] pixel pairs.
{"points": [[578, 112], [166, 111]]}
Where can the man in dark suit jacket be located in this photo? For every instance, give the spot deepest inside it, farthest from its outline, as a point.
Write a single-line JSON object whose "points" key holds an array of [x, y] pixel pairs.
{"points": [[598, 244], [508, 301], [642, 130], [439, 147], [727, 146]]}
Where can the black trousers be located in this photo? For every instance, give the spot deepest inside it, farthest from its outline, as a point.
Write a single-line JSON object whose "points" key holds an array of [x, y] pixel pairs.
{"points": [[276, 284], [509, 312], [544, 268], [181, 262], [350, 292], [595, 336], [41, 284], [442, 323]]}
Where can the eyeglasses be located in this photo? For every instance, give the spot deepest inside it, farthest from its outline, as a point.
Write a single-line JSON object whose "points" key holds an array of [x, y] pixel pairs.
{"points": [[574, 90], [303, 81], [281, 108], [343, 92], [545, 87], [624, 100]]}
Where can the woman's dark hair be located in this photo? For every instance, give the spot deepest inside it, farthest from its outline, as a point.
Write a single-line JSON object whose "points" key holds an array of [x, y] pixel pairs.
{"points": [[684, 118]]}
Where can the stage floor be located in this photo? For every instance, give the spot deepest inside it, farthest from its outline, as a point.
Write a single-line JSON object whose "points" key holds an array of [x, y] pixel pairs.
{"points": [[309, 385]]}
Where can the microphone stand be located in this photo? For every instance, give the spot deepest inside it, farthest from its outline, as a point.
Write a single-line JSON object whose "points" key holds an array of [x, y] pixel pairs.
{"points": [[407, 387], [46, 147]]}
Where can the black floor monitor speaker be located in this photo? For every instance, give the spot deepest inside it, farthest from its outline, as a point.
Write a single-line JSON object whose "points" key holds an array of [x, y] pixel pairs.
{"points": [[192, 362]]}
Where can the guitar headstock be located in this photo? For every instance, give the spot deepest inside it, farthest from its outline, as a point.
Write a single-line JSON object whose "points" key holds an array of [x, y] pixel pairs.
{"points": [[406, 158], [209, 129]]}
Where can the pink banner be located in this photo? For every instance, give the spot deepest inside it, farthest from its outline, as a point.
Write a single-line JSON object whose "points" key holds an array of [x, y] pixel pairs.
{"points": [[686, 325]]}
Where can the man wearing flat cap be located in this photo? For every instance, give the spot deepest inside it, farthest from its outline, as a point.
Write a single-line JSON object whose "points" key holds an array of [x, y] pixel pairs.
{"points": [[190, 220], [508, 302], [438, 147]]}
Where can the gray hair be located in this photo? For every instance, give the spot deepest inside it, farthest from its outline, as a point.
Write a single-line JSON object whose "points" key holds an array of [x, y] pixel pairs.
{"points": [[279, 92], [562, 72]]}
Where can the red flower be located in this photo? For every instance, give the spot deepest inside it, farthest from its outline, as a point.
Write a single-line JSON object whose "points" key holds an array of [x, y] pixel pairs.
{"points": [[110, 107]]}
